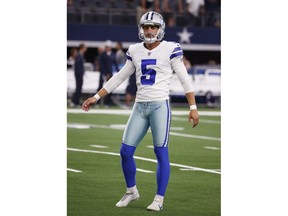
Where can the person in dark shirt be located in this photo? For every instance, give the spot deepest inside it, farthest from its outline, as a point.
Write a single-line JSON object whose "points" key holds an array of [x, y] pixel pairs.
{"points": [[79, 71], [131, 91], [107, 65]]}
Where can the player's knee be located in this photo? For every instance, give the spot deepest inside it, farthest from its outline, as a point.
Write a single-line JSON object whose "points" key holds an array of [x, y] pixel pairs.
{"points": [[127, 151], [162, 154]]}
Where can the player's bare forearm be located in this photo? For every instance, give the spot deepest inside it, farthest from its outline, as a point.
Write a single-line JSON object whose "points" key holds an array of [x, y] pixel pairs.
{"points": [[190, 98], [92, 100], [193, 114], [102, 93]]}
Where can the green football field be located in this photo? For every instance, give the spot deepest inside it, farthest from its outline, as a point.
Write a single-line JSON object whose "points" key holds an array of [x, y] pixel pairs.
{"points": [[95, 182]]}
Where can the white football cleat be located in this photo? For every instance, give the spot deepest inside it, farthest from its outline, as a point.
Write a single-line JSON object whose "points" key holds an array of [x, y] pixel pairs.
{"points": [[155, 205], [127, 198]]}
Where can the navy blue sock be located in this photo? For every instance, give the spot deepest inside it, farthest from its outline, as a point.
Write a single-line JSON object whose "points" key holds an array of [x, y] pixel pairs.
{"points": [[163, 169], [128, 164]]}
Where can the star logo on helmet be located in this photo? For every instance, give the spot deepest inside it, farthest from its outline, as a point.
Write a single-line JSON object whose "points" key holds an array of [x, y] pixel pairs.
{"points": [[185, 36]]}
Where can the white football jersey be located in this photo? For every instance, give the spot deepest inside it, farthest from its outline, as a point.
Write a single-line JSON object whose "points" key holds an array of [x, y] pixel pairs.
{"points": [[153, 69]]}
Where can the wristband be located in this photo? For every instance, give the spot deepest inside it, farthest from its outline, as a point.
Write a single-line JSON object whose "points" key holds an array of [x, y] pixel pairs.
{"points": [[97, 96], [193, 107]]}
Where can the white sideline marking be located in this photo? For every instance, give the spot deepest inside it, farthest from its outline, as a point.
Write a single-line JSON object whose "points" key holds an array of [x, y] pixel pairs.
{"points": [[118, 126], [128, 112], [144, 159], [78, 126], [177, 128], [150, 146], [195, 136], [99, 146], [97, 126], [74, 170], [171, 133], [212, 148], [144, 171]]}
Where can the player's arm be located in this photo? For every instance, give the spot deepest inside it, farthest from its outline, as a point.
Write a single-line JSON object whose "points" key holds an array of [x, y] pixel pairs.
{"points": [[181, 72], [112, 84]]}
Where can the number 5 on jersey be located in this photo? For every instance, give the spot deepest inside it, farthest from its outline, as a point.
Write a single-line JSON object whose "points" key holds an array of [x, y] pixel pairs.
{"points": [[149, 74]]}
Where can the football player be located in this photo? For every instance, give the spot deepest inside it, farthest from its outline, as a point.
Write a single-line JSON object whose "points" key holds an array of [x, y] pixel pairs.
{"points": [[154, 61]]}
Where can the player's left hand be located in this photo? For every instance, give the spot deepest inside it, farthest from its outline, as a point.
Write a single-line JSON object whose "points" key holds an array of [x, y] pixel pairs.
{"points": [[193, 114]]}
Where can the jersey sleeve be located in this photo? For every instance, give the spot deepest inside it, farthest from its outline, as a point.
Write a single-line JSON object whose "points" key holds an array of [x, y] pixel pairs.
{"points": [[177, 51], [120, 77], [180, 69], [128, 53]]}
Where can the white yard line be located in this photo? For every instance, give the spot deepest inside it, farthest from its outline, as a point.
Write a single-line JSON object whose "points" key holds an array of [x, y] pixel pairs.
{"points": [[74, 170], [144, 171], [195, 136], [211, 147], [78, 126], [185, 169], [128, 112], [144, 159], [72, 125], [99, 146], [115, 127]]}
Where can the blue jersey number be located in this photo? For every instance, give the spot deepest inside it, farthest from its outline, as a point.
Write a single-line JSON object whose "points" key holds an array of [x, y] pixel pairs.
{"points": [[149, 75]]}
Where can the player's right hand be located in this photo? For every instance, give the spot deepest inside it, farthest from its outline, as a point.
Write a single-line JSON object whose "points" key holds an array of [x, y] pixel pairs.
{"points": [[87, 103]]}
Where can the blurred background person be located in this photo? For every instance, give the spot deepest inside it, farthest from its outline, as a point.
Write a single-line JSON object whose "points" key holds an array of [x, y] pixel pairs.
{"points": [[69, 2], [71, 59], [168, 11], [147, 5], [196, 10], [120, 55], [79, 71], [188, 66], [96, 60], [212, 10], [130, 91], [107, 65]]}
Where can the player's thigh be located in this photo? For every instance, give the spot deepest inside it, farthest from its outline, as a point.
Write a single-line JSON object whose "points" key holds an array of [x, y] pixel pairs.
{"points": [[160, 124], [136, 127]]}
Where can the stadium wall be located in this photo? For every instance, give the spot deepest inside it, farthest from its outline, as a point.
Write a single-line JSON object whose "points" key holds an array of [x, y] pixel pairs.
{"points": [[190, 38]]}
